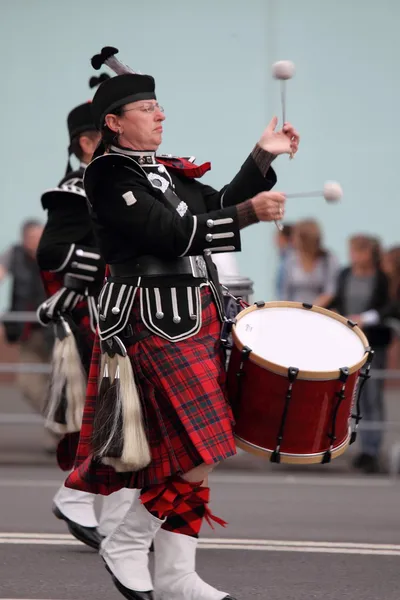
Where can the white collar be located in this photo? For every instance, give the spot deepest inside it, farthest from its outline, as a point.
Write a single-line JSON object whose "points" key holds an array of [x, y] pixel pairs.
{"points": [[146, 157]]}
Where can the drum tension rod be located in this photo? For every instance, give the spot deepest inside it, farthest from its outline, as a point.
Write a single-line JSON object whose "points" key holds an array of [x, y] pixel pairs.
{"points": [[245, 353], [364, 376], [292, 376], [226, 332], [343, 377]]}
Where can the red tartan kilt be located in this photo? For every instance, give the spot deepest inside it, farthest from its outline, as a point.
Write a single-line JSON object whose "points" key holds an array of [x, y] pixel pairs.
{"points": [[187, 416]]}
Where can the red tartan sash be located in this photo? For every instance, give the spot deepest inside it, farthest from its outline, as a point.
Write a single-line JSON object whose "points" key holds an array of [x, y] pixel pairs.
{"points": [[181, 165]]}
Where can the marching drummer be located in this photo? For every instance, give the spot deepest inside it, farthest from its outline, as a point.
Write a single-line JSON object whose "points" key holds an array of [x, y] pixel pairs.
{"points": [[160, 323]]}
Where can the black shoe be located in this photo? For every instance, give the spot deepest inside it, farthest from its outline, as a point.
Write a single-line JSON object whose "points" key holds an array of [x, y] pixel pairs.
{"points": [[126, 592], [360, 460], [88, 535]]}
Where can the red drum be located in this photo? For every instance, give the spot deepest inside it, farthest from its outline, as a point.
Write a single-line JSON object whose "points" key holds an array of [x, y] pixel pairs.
{"points": [[292, 381]]}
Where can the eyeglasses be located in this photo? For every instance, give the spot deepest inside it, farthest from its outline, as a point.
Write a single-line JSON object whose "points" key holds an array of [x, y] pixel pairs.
{"points": [[147, 108]]}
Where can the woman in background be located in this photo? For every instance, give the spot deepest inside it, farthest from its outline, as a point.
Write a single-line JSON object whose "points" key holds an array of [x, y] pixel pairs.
{"points": [[362, 293], [391, 267], [310, 271]]}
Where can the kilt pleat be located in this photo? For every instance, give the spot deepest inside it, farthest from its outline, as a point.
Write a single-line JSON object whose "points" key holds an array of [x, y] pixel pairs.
{"points": [[187, 416]]}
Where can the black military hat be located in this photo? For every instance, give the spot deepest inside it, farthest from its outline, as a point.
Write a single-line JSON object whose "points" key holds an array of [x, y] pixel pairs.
{"points": [[120, 90], [80, 119]]}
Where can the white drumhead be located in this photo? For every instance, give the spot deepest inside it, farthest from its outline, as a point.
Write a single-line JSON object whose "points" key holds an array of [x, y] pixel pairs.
{"points": [[305, 339]]}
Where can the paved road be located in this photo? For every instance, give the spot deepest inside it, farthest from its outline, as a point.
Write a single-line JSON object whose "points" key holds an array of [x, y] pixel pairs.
{"points": [[289, 537], [317, 533]]}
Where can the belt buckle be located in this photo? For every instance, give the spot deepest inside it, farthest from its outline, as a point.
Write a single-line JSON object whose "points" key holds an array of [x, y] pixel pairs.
{"points": [[199, 268]]}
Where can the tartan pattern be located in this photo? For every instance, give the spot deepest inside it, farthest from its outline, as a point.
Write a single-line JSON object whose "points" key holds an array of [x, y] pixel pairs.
{"points": [[187, 517], [52, 282], [185, 167], [163, 499], [187, 417], [66, 451], [67, 447]]}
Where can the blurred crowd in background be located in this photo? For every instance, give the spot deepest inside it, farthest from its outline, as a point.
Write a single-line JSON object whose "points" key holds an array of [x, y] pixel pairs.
{"points": [[370, 282], [307, 272]]}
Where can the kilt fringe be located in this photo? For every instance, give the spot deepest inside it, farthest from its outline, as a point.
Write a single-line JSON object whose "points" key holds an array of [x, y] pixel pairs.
{"points": [[67, 392], [119, 438], [107, 425]]}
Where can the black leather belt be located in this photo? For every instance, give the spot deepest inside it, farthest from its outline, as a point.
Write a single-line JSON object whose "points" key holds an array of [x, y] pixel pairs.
{"points": [[151, 266]]}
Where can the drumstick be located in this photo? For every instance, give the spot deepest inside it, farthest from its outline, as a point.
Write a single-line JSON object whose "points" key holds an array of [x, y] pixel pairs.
{"points": [[283, 100], [283, 70], [332, 192]]}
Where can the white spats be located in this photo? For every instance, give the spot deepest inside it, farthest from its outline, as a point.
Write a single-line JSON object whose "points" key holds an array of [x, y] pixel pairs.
{"points": [[333, 191], [126, 550], [283, 70], [175, 576], [114, 508], [76, 506], [129, 198]]}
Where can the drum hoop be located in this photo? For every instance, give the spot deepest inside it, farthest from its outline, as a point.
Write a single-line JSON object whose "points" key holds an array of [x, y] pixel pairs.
{"points": [[289, 458], [306, 375]]}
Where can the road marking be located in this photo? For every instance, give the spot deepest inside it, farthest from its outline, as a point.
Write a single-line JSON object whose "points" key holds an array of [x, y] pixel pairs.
{"points": [[53, 539], [306, 480], [241, 478], [40, 536], [302, 549]]}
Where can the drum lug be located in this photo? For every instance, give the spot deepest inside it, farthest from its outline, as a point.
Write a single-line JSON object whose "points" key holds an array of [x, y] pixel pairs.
{"points": [[307, 305], [340, 395], [260, 303], [327, 458], [292, 376], [351, 323], [226, 332], [370, 358], [364, 376], [275, 457], [245, 353]]}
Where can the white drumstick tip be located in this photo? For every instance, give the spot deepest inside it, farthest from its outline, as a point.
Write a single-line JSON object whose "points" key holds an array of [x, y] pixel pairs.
{"points": [[283, 69], [333, 191]]}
